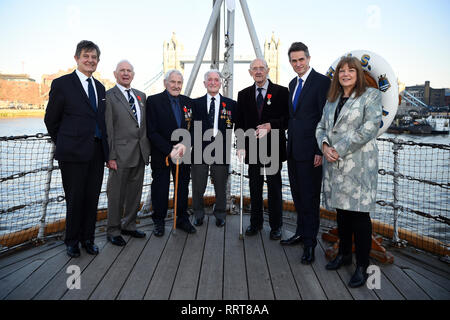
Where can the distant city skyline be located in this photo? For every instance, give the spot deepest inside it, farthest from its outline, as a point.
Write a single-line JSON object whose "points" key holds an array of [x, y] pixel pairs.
{"points": [[40, 37]]}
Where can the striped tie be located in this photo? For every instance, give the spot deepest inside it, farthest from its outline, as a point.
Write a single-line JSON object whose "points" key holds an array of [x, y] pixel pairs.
{"points": [[132, 106]]}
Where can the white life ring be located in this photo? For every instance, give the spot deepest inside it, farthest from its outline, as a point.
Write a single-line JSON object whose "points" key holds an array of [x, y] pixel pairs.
{"points": [[384, 78]]}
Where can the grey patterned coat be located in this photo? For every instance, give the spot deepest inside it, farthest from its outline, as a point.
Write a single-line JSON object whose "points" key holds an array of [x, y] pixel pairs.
{"points": [[351, 182]]}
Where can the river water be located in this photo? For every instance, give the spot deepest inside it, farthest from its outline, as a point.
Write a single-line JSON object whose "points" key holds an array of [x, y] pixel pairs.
{"points": [[415, 162]]}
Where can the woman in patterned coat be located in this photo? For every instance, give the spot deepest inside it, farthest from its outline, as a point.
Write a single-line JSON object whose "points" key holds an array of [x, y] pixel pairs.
{"points": [[346, 134]]}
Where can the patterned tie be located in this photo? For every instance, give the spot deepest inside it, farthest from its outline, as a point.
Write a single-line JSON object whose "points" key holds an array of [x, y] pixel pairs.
{"points": [[297, 93], [132, 106], [93, 102], [212, 111], [259, 102]]}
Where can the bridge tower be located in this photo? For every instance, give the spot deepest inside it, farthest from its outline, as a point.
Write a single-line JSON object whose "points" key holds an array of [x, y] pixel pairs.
{"points": [[272, 56], [172, 52]]}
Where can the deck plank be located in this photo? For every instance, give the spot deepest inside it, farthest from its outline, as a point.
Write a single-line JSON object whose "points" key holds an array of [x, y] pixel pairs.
{"points": [[210, 285], [387, 290], [258, 276], [112, 282], [345, 273], [140, 276], [57, 286], [433, 290], [94, 273], [331, 282], [234, 273], [307, 282], [49, 252], [161, 283], [283, 282], [408, 288], [12, 281], [40, 277], [211, 264], [424, 270], [187, 278], [22, 254]]}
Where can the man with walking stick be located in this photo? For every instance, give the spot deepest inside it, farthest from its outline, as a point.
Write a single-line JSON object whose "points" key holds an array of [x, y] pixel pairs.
{"points": [[167, 112]]}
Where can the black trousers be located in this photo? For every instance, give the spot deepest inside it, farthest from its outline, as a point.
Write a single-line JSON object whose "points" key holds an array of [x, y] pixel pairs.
{"points": [[160, 192], [275, 200], [82, 182], [358, 224], [305, 182], [219, 174]]}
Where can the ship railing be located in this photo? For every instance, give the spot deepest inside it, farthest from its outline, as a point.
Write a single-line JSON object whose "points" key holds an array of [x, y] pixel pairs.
{"points": [[413, 196]]}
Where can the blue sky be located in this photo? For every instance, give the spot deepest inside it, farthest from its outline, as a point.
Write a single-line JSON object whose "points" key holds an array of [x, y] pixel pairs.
{"points": [[39, 37]]}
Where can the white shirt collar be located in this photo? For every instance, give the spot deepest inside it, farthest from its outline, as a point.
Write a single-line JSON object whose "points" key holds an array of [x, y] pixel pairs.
{"points": [[265, 86], [305, 76], [82, 76]]}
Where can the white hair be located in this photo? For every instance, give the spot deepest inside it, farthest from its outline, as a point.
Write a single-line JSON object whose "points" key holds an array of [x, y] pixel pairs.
{"points": [[262, 60], [168, 74], [122, 61], [212, 71]]}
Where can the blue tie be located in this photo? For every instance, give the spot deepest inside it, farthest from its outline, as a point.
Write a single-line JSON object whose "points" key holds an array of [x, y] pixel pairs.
{"points": [[176, 110], [297, 93], [93, 102], [91, 93]]}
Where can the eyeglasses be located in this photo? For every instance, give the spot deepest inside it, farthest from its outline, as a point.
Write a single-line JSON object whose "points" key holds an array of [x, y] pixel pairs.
{"points": [[258, 69]]}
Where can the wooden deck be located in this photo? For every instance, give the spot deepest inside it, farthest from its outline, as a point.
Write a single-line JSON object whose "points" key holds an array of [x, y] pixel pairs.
{"points": [[212, 264]]}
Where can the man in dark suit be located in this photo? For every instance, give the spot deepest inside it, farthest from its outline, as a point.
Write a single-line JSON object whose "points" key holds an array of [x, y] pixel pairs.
{"points": [[264, 107], [75, 120], [214, 112], [129, 151], [308, 94], [167, 112]]}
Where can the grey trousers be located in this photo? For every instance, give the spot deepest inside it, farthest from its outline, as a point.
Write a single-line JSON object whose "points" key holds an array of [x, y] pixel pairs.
{"points": [[219, 174], [124, 192]]}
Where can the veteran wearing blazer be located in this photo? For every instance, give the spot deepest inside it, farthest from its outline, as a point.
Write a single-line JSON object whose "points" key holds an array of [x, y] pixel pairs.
{"points": [[129, 153], [214, 112], [347, 136], [166, 112], [264, 107], [75, 120], [306, 100]]}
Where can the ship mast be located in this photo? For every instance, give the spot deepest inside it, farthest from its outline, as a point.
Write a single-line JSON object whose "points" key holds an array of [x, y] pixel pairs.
{"points": [[213, 30]]}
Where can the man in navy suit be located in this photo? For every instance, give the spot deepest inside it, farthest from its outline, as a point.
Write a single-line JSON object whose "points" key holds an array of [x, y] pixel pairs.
{"points": [[263, 107], [308, 92], [166, 112], [75, 120], [214, 112]]}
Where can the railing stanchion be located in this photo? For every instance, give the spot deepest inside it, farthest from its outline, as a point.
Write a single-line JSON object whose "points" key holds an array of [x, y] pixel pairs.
{"points": [[48, 181]]}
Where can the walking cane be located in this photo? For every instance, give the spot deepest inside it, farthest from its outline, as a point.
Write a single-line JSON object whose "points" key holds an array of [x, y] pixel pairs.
{"points": [[241, 206], [175, 199]]}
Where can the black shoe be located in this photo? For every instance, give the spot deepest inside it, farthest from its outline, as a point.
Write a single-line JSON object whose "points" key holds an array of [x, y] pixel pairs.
{"points": [[134, 233], [90, 247], [308, 255], [117, 240], [275, 234], [198, 222], [158, 231], [252, 230], [359, 278], [340, 260], [73, 251], [220, 222], [295, 239], [186, 227]]}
